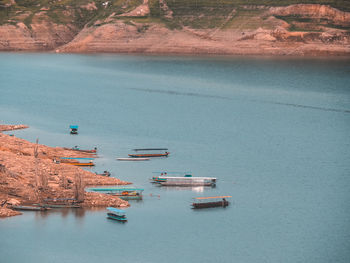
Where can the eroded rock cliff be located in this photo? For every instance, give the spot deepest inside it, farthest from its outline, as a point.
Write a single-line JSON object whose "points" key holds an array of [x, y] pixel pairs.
{"points": [[161, 26]]}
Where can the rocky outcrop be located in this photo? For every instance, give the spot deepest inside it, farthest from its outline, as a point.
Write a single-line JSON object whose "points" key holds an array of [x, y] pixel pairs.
{"points": [[313, 11], [141, 10], [12, 127], [43, 35]]}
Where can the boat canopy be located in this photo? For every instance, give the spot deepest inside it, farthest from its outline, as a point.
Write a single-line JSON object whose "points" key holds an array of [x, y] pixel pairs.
{"points": [[73, 126], [212, 197], [116, 210]]}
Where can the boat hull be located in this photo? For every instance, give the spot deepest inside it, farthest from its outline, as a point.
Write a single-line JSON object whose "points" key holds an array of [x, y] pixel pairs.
{"points": [[116, 217], [133, 159], [186, 183], [210, 204], [29, 208], [150, 155], [81, 164]]}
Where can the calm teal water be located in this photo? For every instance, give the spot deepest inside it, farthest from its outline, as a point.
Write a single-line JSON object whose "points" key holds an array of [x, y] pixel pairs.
{"points": [[274, 131]]}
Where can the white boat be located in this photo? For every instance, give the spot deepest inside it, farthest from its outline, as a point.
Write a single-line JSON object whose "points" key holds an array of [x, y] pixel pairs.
{"points": [[133, 159], [187, 180]]}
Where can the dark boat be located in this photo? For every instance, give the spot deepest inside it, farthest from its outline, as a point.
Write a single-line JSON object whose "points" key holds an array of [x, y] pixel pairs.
{"points": [[60, 203], [28, 208], [105, 173], [209, 202], [149, 155]]}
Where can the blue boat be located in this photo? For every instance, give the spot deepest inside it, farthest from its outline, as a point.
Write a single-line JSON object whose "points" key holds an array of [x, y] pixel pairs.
{"points": [[116, 214], [73, 129]]}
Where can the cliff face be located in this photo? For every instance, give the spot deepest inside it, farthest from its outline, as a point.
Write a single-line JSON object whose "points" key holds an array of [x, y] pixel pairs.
{"points": [[161, 26]]}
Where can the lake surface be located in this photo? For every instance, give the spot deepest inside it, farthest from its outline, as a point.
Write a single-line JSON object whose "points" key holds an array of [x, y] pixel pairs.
{"points": [[275, 132]]}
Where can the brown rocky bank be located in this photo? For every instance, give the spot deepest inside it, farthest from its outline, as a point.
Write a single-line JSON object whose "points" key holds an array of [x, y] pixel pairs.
{"points": [[315, 30], [26, 179]]}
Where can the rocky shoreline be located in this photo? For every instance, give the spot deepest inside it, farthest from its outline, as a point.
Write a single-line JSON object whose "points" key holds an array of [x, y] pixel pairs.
{"points": [[28, 175]]}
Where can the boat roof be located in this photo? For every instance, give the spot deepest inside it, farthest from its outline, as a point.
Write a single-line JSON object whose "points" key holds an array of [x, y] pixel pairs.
{"points": [[116, 189], [73, 126], [116, 210], [212, 197]]}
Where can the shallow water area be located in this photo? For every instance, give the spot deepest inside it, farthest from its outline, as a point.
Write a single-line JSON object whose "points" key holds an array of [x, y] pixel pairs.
{"points": [[273, 131]]}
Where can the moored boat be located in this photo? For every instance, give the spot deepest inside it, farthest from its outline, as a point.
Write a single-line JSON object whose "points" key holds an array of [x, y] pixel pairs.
{"points": [[73, 129], [149, 155], [105, 173], [76, 148], [28, 208], [209, 202], [116, 214], [133, 159], [187, 180], [123, 193], [81, 164]]}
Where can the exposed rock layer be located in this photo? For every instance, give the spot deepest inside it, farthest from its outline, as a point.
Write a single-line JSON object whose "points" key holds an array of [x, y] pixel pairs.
{"points": [[313, 30]]}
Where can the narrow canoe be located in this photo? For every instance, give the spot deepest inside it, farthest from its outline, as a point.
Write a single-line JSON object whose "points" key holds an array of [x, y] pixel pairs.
{"points": [[147, 155], [81, 164], [133, 159]]}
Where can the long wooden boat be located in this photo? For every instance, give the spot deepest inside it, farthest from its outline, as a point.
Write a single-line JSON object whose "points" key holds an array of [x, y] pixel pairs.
{"points": [[148, 155], [61, 206], [76, 148], [123, 193], [187, 183], [151, 149], [81, 164], [209, 202], [60, 203], [77, 158], [116, 214], [133, 159], [28, 208]]}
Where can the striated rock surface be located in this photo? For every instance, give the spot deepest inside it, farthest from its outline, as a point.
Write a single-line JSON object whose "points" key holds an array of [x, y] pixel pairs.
{"points": [[313, 11], [190, 27]]}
